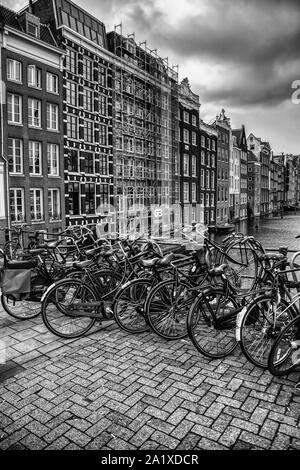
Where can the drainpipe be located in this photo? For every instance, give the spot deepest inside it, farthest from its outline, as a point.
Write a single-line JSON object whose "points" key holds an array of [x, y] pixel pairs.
{"points": [[2, 131]]}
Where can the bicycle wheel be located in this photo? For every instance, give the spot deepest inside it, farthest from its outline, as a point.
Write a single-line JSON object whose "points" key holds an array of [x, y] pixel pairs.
{"points": [[20, 309], [13, 250], [284, 356], [129, 306], [261, 325], [242, 274], [166, 308], [211, 323], [59, 311], [106, 283]]}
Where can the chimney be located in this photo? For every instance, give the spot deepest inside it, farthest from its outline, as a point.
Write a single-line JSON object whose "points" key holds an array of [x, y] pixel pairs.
{"points": [[30, 6]]}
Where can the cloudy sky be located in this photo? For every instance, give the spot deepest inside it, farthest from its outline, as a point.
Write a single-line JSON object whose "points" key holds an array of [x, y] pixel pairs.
{"points": [[241, 55]]}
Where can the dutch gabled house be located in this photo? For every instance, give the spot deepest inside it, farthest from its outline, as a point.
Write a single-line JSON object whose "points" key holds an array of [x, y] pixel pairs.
{"points": [[31, 163], [241, 145], [208, 172]]}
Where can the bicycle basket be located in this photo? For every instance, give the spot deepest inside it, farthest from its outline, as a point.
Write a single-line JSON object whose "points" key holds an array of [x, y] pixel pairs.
{"points": [[15, 282]]}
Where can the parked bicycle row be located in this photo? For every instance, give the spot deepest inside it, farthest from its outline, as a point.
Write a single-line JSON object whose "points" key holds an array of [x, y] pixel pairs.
{"points": [[220, 295]]}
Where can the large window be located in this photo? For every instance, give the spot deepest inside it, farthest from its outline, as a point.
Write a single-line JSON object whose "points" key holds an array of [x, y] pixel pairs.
{"points": [[90, 198], [14, 108], [194, 138], [102, 76], [34, 76], [74, 196], [16, 204], [88, 102], [35, 157], [194, 165], [15, 156], [34, 112], [54, 204], [102, 105], [73, 161], [71, 61], [186, 136], [186, 116], [14, 70], [104, 194], [52, 117], [72, 127], [186, 191], [71, 93], [185, 165], [88, 131], [89, 162], [51, 82], [102, 134], [53, 159], [36, 205], [87, 70], [103, 164], [194, 192]]}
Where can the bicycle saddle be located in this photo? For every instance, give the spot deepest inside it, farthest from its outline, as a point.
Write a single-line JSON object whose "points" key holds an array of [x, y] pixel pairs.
{"points": [[166, 260], [148, 263], [93, 251], [218, 271], [82, 264]]}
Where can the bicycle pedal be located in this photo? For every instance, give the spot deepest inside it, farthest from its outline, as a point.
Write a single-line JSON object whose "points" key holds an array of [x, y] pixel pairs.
{"points": [[295, 344]]}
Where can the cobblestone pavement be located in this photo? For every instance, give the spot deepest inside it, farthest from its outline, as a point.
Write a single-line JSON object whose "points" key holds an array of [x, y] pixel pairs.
{"points": [[111, 390]]}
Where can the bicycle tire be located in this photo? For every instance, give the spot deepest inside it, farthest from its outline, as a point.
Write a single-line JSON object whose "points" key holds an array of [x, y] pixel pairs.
{"points": [[21, 309], [283, 358], [258, 331], [164, 317], [242, 276], [13, 250], [106, 283], [209, 307], [54, 313], [129, 305]]}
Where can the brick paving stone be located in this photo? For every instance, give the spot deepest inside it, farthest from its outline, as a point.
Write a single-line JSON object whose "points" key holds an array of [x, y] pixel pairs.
{"points": [[120, 444], [78, 437], [172, 404], [290, 430], [182, 429], [18, 424], [242, 424], [207, 444], [282, 418], [177, 416], [204, 431], [198, 418], [221, 423], [165, 439], [255, 440], [189, 442], [214, 410], [161, 425], [98, 428], [269, 429], [141, 436], [57, 432], [58, 444], [99, 442], [149, 445], [259, 415]]}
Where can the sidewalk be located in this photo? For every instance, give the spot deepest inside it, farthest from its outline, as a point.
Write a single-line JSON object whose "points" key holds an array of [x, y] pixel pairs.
{"points": [[111, 390]]}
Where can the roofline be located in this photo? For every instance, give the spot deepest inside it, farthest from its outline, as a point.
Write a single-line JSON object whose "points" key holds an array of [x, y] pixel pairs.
{"points": [[35, 40]]}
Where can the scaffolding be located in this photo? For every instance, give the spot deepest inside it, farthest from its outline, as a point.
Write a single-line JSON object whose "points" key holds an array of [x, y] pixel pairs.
{"points": [[145, 129]]}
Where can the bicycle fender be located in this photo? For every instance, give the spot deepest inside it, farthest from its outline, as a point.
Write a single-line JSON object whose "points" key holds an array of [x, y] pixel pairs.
{"points": [[239, 320], [46, 291]]}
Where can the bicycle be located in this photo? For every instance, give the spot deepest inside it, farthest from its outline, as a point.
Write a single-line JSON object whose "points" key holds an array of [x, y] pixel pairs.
{"points": [[284, 357]]}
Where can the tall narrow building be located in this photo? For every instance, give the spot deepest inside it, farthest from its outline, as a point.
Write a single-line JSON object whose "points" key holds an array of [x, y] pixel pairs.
{"points": [[222, 125]]}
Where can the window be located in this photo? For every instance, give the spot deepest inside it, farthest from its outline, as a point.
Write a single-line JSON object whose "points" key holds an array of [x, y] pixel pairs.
{"points": [[90, 199], [32, 29], [185, 165], [71, 61], [88, 131], [194, 193], [72, 127], [103, 135], [207, 201], [14, 108], [213, 161], [71, 95], [104, 194], [36, 204], [35, 157], [88, 102], [194, 120], [202, 141], [194, 165], [213, 145], [103, 164], [102, 105], [15, 155], [34, 76], [186, 136], [89, 162], [87, 70], [52, 117], [186, 117], [207, 179], [202, 199], [14, 70], [202, 179], [16, 204], [34, 112], [102, 76], [74, 196], [212, 200], [73, 161], [186, 190], [194, 138], [53, 159], [193, 214], [51, 82], [202, 157], [54, 204], [212, 185]]}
